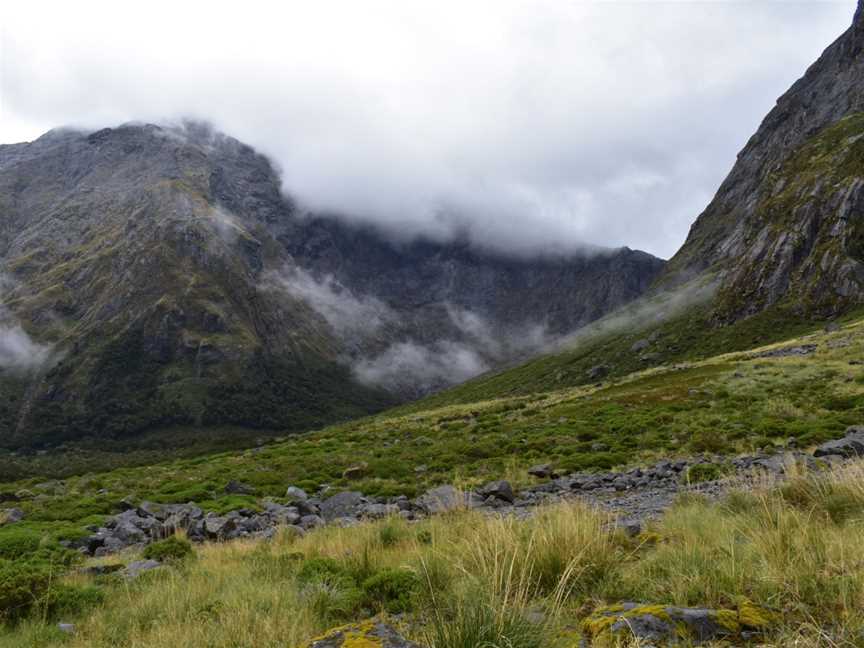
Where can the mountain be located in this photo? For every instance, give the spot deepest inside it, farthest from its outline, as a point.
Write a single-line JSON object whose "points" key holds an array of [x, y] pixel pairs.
{"points": [[779, 249], [786, 228], [158, 276]]}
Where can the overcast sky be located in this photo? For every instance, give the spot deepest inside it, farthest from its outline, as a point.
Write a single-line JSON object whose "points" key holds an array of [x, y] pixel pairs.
{"points": [[534, 125]]}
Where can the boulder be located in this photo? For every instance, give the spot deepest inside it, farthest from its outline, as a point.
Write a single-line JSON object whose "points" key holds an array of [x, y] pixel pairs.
{"points": [[851, 445], [598, 373], [219, 528], [370, 633], [345, 504], [670, 624], [500, 490], [295, 494], [640, 345], [441, 499], [11, 515], [542, 471]]}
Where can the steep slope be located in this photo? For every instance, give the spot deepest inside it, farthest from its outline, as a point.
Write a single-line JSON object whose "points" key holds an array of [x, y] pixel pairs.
{"points": [[785, 227], [158, 277]]}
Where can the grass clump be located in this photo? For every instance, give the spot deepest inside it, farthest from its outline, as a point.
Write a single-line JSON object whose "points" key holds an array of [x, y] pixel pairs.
{"points": [[170, 549]]}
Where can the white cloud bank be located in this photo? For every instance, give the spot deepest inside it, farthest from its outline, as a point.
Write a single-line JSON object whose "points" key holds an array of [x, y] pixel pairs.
{"points": [[533, 125]]}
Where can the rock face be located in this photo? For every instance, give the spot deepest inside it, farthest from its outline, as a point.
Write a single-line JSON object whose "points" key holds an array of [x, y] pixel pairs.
{"points": [[161, 277], [786, 225]]}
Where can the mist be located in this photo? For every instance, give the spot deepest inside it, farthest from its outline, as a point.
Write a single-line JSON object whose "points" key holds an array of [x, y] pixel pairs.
{"points": [[526, 128], [19, 353], [385, 347]]}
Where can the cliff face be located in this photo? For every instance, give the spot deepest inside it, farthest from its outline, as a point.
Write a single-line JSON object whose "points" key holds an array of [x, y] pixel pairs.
{"points": [[785, 225], [158, 276]]}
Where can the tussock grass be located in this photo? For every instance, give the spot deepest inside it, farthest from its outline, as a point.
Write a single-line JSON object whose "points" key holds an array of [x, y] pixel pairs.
{"points": [[470, 579]]}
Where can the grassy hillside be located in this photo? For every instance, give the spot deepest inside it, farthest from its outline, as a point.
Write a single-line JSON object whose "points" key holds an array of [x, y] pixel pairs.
{"points": [[724, 404]]}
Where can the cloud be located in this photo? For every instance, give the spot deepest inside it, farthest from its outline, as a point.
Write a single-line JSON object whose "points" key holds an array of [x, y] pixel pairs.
{"points": [[19, 353], [531, 126], [409, 351]]}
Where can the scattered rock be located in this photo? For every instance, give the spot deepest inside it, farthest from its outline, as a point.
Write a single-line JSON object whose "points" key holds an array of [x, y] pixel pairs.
{"points": [[68, 628], [500, 489], [10, 516], [784, 352], [374, 634], [345, 504], [598, 373], [543, 471], [441, 499], [851, 445], [295, 494]]}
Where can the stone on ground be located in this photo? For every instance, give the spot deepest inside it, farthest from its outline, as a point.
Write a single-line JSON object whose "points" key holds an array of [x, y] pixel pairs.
{"points": [[367, 634]]}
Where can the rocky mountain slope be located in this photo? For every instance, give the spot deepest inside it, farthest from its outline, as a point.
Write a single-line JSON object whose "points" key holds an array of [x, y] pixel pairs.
{"points": [[156, 276], [786, 225]]}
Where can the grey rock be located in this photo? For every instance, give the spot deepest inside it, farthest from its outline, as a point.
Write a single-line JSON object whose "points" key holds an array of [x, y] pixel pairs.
{"points": [[67, 628], [542, 471], [296, 494], [11, 515], [441, 500], [219, 528], [345, 504], [312, 521], [500, 489], [850, 445]]}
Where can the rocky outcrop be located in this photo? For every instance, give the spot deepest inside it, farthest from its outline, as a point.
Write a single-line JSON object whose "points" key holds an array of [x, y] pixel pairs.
{"points": [[784, 227]]}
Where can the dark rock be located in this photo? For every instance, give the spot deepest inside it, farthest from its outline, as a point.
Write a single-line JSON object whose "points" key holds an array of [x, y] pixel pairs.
{"points": [[850, 445], [219, 528], [598, 372], [135, 569], [500, 489], [543, 471]]}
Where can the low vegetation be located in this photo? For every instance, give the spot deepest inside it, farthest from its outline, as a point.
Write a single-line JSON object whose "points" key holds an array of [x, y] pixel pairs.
{"points": [[463, 578], [780, 554]]}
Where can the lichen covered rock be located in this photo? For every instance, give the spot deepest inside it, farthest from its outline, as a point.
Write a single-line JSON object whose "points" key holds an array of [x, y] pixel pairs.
{"points": [[367, 634], [672, 624]]}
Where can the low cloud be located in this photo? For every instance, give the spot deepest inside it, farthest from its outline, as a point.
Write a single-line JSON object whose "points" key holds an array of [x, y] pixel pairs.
{"points": [[414, 369], [530, 127], [19, 353], [410, 352]]}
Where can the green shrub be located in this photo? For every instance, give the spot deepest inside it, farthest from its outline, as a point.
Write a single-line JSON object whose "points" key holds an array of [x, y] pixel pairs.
{"points": [[391, 589], [170, 549], [318, 568], [702, 473], [424, 537], [22, 585], [63, 599], [390, 534]]}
